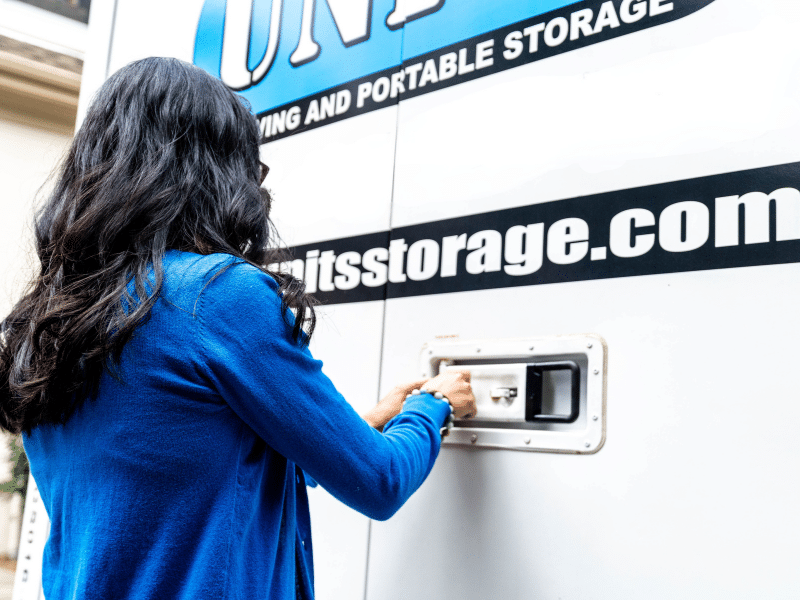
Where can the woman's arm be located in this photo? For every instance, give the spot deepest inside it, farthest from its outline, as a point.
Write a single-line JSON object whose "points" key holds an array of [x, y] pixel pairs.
{"points": [[454, 385], [278, 389], [391, 405]]}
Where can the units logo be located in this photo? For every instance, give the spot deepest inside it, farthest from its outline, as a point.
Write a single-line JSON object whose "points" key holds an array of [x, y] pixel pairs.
{"points": [[306, 63]]}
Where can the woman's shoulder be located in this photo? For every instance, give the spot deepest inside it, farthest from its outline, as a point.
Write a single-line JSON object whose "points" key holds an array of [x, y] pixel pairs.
{"points": [[207, 276]]}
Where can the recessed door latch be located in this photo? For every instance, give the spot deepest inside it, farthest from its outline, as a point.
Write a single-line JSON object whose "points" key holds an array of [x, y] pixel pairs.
{"points": [[545, 394]]}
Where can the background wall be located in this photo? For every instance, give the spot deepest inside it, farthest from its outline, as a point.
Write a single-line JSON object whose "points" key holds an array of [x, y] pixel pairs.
{"points": [[28, 154], [41, 59]]}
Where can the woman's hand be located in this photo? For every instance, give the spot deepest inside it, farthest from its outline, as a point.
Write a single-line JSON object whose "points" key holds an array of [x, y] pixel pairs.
{"points": [[455, 386], [392, 404]]}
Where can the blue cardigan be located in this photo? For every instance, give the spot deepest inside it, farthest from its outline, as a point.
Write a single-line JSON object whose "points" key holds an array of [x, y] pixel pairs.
{"points": [[184, 479]]}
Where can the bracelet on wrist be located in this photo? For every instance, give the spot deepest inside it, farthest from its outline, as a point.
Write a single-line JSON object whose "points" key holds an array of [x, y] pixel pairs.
{"points": [[448, 425]]}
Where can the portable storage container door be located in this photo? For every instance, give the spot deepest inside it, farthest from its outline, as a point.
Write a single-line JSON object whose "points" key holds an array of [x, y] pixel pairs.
{"points": [[635, 154]]}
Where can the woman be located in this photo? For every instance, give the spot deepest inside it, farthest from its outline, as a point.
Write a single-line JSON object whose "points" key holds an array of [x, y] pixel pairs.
{"points": [[169, 406]]}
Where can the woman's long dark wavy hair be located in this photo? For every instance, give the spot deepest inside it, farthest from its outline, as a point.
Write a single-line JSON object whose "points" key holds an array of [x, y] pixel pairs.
{"points": [[167, 158]]}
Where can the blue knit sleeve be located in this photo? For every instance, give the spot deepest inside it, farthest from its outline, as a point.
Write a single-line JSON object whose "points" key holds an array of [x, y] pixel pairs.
{"points": [[279, 390]]}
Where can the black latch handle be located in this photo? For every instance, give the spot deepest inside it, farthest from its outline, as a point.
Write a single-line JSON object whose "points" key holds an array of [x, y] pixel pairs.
{"points": [[535, 394]]}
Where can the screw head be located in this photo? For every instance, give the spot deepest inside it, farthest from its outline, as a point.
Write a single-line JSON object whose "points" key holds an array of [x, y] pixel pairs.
{"points": [[531, 348], [594, 418], [430, 351], [587, 444], [527, 440], [473, 439], [596, 371], [477, 349]]}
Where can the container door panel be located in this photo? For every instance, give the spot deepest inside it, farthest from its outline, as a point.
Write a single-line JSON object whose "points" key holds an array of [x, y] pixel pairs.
{"points": [[687, 495]]}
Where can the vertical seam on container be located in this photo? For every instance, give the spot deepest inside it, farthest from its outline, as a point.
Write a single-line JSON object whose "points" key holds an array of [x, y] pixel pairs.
{"points": [[385, 293]]}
